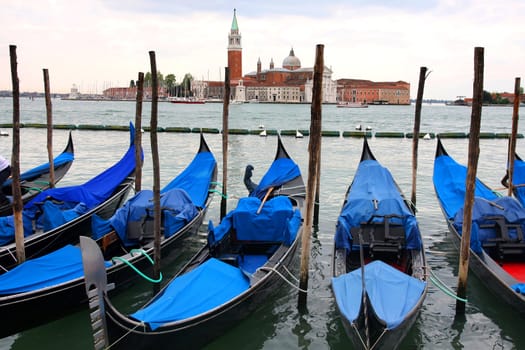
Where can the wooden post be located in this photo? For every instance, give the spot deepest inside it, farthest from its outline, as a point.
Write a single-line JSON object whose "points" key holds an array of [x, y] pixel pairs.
{"points": [[15, 162], [415, 139], [225, 111], [317, 192], [49, 114], [314, 150], [156, 167], [473, 154], [138, 132], [513, 135]]}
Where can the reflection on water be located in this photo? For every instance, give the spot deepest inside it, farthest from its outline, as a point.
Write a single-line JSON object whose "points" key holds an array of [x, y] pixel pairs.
{"points": [[488, 322]]}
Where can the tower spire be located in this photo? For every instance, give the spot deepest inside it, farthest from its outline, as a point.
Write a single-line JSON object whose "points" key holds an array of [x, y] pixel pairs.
{"points": [[235, 50]]}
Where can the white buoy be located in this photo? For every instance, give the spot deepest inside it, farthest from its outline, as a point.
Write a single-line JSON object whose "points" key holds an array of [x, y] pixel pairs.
{"points": [[298, 134], [427, 137], [263, 133]]}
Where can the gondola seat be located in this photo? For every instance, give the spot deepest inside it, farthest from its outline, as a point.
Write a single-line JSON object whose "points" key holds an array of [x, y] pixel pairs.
{"points": [[508, 240], [383, 238]]}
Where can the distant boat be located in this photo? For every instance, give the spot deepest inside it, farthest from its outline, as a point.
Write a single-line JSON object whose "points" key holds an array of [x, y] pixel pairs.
{"points": [[4, 133], [185, 100], [358, 127], [351, 105]]}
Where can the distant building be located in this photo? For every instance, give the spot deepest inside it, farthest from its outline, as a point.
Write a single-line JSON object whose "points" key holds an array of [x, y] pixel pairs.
{"points": [[370, 92], [289, 84], [130, 93]]}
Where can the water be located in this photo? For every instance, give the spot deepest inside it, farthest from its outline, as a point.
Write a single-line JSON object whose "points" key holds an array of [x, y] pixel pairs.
{"points": [[488, 322]]}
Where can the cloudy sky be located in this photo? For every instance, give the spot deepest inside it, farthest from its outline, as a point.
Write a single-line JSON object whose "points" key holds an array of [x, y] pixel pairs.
{"points": [[97, 44]]}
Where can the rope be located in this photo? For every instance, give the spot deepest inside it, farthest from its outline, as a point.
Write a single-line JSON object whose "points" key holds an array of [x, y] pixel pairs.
{"points": [[443, 287], [126, 334], [220, 193], [283, 277], [216, 183], [143, 252]]}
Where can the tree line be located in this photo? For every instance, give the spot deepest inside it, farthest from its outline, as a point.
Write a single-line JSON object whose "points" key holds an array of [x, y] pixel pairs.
{"points": [[169, 82]]}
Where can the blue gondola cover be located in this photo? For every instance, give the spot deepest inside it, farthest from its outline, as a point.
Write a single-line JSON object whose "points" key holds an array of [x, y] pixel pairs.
{"points": [[374, 192], [60, 266], [392, 293], [281, 171]]}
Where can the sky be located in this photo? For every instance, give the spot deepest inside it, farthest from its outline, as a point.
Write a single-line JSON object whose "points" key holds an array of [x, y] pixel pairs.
{"points": [[96, 44]]}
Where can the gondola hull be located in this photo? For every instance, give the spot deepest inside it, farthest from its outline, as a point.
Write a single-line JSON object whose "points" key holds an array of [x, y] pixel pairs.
{"points": [[31, 185], [52, 303], [492, 248], [492, 275], [378, 253], [200, 330], [41, 243]]}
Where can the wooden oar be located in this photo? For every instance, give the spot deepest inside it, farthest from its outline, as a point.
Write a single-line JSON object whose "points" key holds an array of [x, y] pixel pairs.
{"points": [[264, 200]]}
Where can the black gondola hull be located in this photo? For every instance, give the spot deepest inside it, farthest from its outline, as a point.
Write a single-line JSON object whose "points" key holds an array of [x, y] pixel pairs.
{"points": [[200, 330], [55, 302], [43, 243]]}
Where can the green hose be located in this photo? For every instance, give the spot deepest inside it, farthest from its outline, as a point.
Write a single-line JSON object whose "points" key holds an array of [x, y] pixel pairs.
{"points": [[143, 252], [441, 286]]}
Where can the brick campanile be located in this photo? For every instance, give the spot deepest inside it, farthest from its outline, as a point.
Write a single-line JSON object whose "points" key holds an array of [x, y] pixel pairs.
{"points": [[235, 50]]}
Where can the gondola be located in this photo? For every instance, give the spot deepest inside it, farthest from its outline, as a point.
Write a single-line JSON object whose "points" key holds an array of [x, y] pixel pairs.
{"points": [[518, 179], [497, 248], [52, 286], [233, 274], [379, 267], [58, 216], [36, 180]]}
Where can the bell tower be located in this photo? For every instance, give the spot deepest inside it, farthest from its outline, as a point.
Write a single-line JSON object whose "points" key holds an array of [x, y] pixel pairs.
{"points": [[235, 50]]}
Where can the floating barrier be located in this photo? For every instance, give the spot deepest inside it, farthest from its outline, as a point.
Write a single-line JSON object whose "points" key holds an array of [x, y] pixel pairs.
{"points": [[179, 129], [410, 135], [330, 133], [206, 130], [506, 135], [148, 128], [390, 134], [453, 135], [91, 127], [239, 131], [65, 126], [117, 127], [36, 125], [357, 134]]}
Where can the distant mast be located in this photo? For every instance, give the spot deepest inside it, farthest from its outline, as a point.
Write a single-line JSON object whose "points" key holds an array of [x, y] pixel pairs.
{"points": [[235, 50]]}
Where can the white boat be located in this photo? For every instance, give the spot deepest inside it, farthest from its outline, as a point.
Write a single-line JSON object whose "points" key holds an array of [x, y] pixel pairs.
{"points": [[351, 105]]}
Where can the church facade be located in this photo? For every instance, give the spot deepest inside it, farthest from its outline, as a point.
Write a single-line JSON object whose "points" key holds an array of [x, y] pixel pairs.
{"points": [[291, 83]]}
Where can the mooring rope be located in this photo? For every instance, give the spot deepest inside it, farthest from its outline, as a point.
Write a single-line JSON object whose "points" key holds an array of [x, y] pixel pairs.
{"points": [[263, 268], [126, 334], [143, 252], [443, 287]]}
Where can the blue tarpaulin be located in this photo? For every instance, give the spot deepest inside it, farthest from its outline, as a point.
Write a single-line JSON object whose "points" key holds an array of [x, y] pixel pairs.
{"points": [[177, 208], [179, 199], [196, 178], [450, 184], [202, 289], [392, 293], [90, 194], [60, 160], [506, 207], [374, 192], [277, 221], [60, 266], [519, 179], [281, 171]]}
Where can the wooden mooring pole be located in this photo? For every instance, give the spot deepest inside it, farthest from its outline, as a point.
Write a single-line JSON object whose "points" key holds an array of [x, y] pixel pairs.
{"points": [[138, 132], [225, 112], [49, 118], [473, 155], [415, 138], [156, 167], [513, 135], [15, 161], [314, 151]]}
